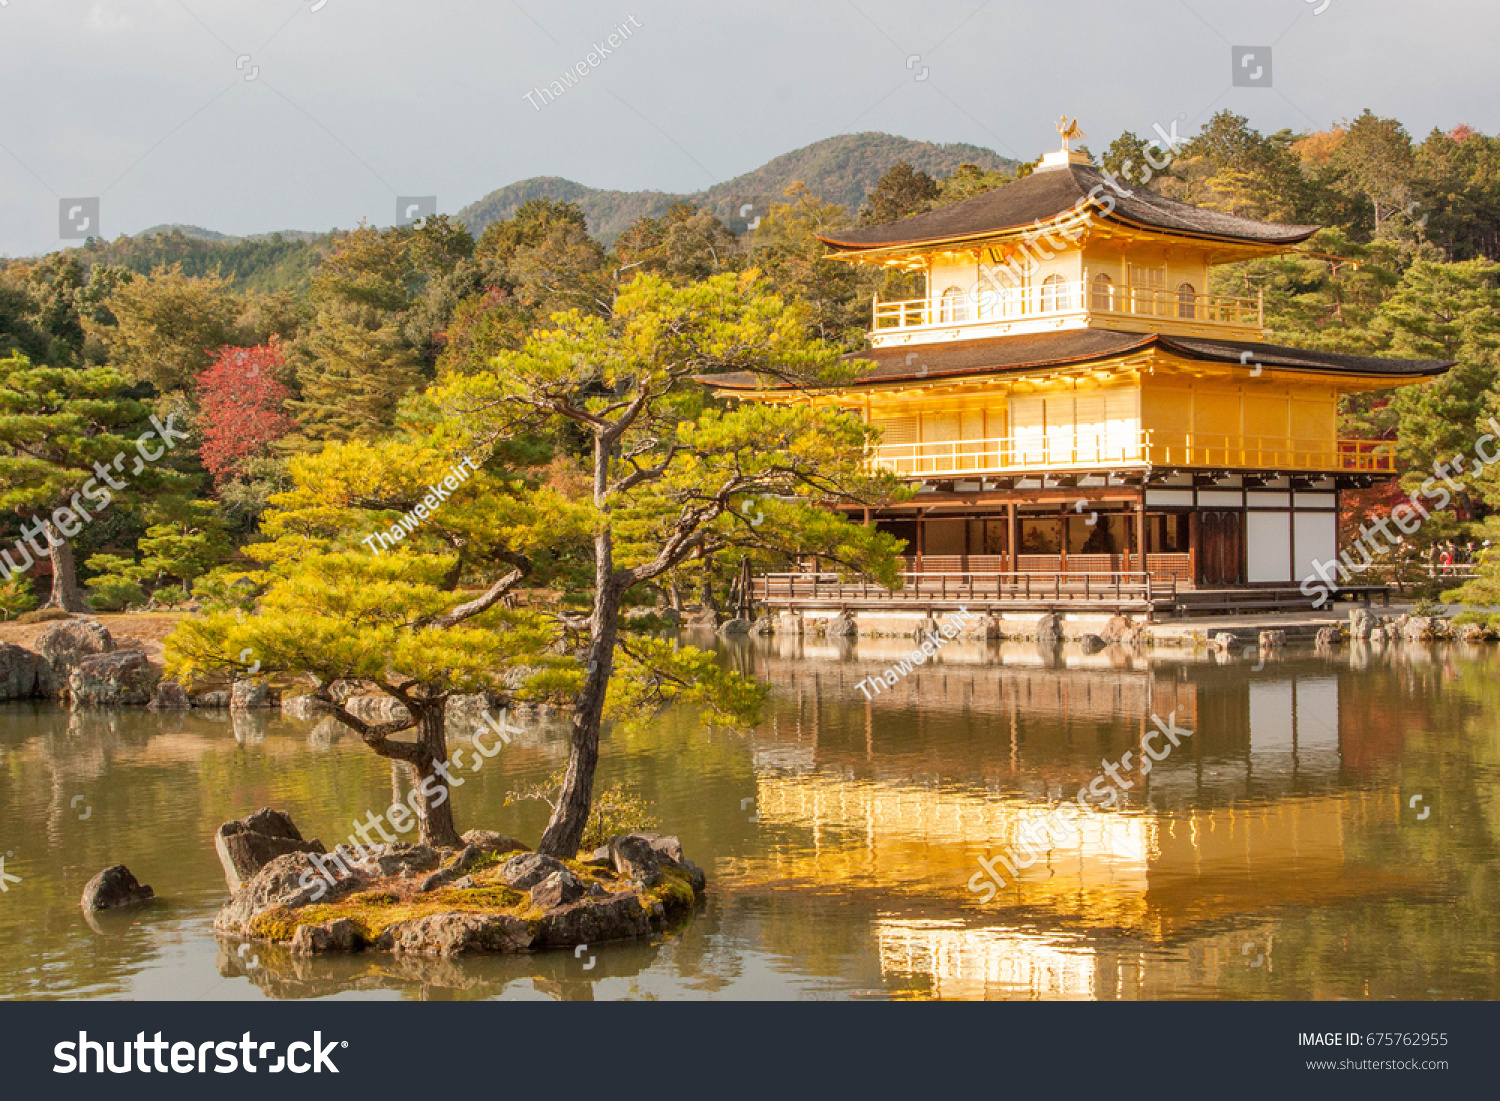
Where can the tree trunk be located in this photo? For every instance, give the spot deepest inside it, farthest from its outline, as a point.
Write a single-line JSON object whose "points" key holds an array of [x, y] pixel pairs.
{"points": [[570, 817], [435, 813], [65, 592]]}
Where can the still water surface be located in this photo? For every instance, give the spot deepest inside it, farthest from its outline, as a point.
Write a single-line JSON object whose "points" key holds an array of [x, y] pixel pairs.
{"points": [[1328, 831]]}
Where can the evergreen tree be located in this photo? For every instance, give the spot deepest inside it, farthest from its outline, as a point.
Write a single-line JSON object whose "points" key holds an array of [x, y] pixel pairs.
{"points": [[72, 442], [901, 192], [1445, 311]]}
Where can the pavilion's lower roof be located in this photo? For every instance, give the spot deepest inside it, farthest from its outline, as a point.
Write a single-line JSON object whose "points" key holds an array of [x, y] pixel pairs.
{"points": [[1078, 347]]}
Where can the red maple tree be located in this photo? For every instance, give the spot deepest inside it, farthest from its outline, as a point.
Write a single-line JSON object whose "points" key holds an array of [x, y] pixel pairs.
{"points": [[240, 407]]}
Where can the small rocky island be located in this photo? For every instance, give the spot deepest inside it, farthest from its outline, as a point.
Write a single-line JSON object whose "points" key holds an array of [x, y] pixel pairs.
{"points": [[495, 895]]}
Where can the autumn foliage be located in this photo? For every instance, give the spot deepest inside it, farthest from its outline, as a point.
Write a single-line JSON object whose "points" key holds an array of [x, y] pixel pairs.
{"points": [[240, 406]]}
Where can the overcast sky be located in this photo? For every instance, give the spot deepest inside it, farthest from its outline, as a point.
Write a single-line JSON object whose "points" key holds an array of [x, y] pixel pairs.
{"points": [[146, 103]]}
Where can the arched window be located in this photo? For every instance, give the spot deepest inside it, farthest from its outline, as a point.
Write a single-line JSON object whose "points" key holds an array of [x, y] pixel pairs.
{"points": [[954, 306], [1055, 295], [1104, 293], [1187, 300]]}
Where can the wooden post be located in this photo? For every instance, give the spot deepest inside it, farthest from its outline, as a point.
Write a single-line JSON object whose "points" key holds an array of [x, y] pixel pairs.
{"points": [[1012, 537], [1140, 528]]}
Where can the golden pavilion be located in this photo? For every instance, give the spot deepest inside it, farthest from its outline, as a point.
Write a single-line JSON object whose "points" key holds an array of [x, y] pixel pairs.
{"points": [[1078, 413]]}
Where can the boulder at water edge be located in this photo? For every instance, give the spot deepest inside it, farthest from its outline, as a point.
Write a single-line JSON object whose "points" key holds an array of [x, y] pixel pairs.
{"points": [[114, 888], [122, 678], [247, 845]]}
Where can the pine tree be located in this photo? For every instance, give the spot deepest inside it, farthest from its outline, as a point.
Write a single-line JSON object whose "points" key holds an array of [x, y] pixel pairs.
{"points": [[72, 442]]}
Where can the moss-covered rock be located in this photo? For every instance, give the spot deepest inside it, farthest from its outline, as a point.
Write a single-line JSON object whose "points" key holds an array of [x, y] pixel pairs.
{"points": [[503, 902]]}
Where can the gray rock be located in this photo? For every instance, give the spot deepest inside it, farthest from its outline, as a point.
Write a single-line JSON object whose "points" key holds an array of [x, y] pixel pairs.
{"points": [[247, 845], [1092, 644], [1418, 629], [1328, 637], [1118, 629], [252, 695], [396, 859], [707, 619], [635, 858], [341, 690], [842, 625], [1048, 628], [114, 888], [465, 714], [457, 935], [594, 919], [1273, 640], [1224, 642], [488, 841], [789, 623], [525, 871], [288, 882], [1471, 632], [213, 700], [629, 860], [63, 645], [669, 849], [735, 627], [170, 696], [125, 677], [299, 707], [20, 672], [339, 935], [558, 889], [71, 641], [1361, 623]]}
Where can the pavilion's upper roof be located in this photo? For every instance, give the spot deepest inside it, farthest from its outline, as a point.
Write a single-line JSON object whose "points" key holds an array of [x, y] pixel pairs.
{"points": [[1076, 347], [1047, 193]]}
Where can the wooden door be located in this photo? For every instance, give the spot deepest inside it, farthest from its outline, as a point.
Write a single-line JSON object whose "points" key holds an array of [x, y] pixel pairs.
{"points": [[1221, 553]]}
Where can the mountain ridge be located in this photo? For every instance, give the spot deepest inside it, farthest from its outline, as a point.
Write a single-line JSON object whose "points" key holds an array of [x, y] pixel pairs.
{"points": [[841, 169]]}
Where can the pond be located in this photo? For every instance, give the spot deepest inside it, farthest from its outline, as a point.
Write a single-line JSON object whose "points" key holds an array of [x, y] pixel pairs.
{"points": [[1327, 830]]}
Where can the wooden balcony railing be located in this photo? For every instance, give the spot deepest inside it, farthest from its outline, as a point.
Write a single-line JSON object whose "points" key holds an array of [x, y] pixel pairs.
{"points": [[1069, 450], [1068, 299], [1038, 451], [829, 589], [1277, 453]]}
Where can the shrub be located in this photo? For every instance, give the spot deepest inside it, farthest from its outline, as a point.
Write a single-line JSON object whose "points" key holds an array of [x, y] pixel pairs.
{"points": [[116, 584], [227, 590], [615, 809], [111, 593], [16, 597]]}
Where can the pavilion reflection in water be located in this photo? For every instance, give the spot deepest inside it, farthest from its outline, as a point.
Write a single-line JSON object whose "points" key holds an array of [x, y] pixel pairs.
{"points": [[898, 797]]}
